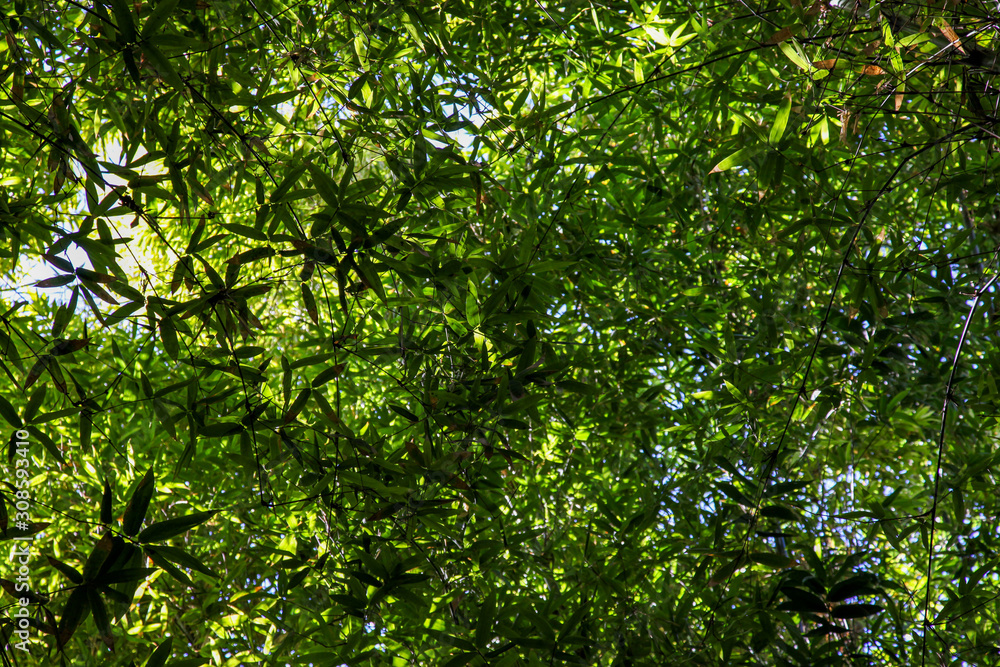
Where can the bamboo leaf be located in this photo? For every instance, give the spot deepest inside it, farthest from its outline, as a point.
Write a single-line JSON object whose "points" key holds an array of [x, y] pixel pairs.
{"points": [[138, 504]]}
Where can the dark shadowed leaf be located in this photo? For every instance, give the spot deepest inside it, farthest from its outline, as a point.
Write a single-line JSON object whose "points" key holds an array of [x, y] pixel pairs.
{"points": [[855, 610], [75, 610], [163, 530], [138, 504], [161, 654], [107, 498], [802, 601]]}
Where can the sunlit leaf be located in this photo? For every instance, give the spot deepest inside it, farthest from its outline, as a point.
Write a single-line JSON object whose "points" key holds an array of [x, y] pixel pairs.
{"points": [[735, 159]]}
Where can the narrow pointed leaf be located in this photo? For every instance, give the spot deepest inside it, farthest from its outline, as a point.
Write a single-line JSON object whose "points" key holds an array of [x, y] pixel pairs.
{"points": [[164, 530], [135, 511]]}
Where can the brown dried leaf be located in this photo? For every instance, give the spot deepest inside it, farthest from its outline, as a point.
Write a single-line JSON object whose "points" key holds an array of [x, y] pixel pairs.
{"points": [[950, 35], [779, 36], [818, 7]]}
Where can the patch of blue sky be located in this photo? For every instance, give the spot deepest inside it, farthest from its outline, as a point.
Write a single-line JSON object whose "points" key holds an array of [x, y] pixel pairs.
{"points": [[20, 284]]}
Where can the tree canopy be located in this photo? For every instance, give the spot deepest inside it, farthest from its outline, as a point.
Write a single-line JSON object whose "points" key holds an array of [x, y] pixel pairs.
{"points": [[506, 333]]}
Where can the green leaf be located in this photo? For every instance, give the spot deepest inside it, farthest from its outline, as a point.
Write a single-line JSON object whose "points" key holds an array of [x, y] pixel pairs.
{"points": [[86, 426], [168, 567], [780, 122], [76, 609], [855, 610], [577, 387], [370, 277], [735, 494], [124, 21], [862, 584], [68, 571], [657, 35], [101, 618], [616, 382], [163, 67], [57, 281], [472, 314], [41, 31], [484, 625], [40, 436], [327, 374], [193, 243], [130, 65], [802, 601], [793, 51], [98, 556], [310, 303], [300, 402], [126, 575], [128, 559], [324, 184], [161, 654], [158, 17], [771, 560], [403, 412], [723, 574], [138, 504], [220, 429], [163, 530], [9, 414], [737, 158], [107, 498], [779, 512], [35, 403], [164, 417], [180, 557]]}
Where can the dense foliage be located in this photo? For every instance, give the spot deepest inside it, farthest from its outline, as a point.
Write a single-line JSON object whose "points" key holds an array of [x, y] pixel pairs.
{"points": [[572, 332]]}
